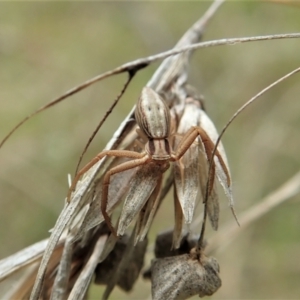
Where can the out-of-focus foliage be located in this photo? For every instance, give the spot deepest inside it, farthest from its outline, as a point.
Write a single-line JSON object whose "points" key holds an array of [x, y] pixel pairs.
{"points": [[47, 48]]}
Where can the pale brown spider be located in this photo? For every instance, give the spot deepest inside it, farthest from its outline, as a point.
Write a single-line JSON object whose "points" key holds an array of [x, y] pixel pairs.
{"points": [[153, 118]]}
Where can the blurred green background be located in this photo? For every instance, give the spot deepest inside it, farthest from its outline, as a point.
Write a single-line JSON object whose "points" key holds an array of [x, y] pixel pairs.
{"points": [[47, 48]]}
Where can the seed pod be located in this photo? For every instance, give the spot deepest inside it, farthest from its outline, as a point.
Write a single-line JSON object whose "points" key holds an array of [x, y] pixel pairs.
{"points": [[181, 277]]}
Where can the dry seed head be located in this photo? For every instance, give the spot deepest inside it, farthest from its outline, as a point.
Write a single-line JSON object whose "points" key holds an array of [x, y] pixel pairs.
{"points": [[127, 276], [181, 277]]}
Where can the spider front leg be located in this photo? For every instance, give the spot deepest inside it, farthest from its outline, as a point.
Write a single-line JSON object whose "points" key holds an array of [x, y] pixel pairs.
{"points": [[188, 140], [143, 158], [116, 153]]}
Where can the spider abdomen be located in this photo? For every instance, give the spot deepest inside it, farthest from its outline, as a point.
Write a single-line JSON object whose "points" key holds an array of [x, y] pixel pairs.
{"points": [[152, 115]]}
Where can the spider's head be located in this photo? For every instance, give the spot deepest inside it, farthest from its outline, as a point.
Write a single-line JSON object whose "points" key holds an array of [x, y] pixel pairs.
{"points": [[158, 149]]}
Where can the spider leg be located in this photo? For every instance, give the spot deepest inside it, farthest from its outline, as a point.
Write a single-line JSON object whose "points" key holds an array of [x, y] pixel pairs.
{"points": [[187, 141], [116, 153], [209, 147], [143, 158]]}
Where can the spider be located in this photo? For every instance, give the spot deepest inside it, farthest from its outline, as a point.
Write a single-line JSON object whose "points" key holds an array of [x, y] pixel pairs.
{"points": [[153, 118]]}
